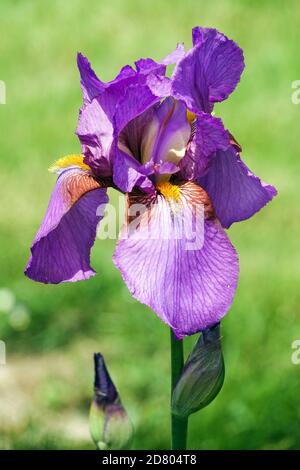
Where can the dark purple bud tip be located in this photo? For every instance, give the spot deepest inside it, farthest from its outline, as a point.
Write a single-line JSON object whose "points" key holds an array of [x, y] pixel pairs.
{"points": [[105, 390], [109, 422]]}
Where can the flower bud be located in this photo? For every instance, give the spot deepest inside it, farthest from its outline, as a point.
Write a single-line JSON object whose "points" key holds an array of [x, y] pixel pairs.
{"points": [[110, 425], [202, 376]]}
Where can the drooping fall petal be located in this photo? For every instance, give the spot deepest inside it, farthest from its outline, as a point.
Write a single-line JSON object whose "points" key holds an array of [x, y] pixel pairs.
{"points": [[61, 249], [235, 191], [175, 257]]}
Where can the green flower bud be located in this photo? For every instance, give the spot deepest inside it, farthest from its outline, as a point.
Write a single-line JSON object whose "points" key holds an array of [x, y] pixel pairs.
{"points": [[110, 426], [202, 376]]}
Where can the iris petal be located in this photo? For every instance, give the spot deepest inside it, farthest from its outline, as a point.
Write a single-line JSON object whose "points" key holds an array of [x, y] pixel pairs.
{"points": [[95, 132], [209, 72], [61, 249], [236, 192], [167, 135], [190, 289], [209, 136]]}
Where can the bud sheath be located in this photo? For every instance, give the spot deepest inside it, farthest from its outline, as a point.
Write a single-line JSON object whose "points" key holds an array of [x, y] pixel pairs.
{"points": [[202, 376]]}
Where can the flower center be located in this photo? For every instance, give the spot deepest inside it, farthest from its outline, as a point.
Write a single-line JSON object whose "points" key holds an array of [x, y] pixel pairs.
{"points": [[170, 191], [167, 134]]}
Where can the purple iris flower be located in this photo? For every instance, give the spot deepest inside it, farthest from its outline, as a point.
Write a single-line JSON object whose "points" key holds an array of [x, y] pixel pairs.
{"points": [[155, 139]]}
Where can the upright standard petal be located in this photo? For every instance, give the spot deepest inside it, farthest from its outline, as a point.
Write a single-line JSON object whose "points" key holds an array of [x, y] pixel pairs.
{"points": [[61, 249], [209, 71], [97, 116], [136, 101], [109, 107], [92, 86], [95, 124], [236, 193], [110, 93], [174, 56], [208, 136], [159, 68], [167, 134], [175, 257], [152, 143], [95, 132]]}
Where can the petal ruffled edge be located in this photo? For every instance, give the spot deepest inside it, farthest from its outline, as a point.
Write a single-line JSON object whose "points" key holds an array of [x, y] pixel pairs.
{"points": [[209, 72]]}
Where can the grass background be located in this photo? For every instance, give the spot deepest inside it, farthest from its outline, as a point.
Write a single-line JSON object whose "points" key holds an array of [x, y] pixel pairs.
{"points": [[52, 331]]}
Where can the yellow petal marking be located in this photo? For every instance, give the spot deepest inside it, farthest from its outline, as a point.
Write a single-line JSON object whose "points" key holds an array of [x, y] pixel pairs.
{"points": [[67, 161], [170, 191], [190, 116]]}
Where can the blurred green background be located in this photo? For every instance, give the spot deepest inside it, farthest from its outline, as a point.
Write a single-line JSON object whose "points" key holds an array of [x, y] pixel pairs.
{"points": [[52, 331]]}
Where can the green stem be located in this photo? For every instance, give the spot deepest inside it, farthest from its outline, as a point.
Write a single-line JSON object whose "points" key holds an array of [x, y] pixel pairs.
{"points": [[178, 425]]}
